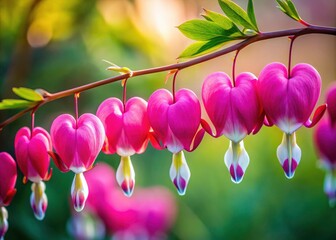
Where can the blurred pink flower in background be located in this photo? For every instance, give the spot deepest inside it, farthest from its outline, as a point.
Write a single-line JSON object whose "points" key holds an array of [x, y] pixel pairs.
{"points": [[148, 214], [325, 143]]}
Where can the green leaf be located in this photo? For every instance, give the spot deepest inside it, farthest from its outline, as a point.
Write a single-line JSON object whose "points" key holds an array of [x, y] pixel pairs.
{"points": [[15, 103], [251, 15], [201, 30], [236, 14], [28, 94], [203, 47], [288, 7], [222, 21]]}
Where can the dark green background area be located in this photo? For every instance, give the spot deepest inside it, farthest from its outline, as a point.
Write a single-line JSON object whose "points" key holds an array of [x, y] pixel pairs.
{"points": [[265, 205]]}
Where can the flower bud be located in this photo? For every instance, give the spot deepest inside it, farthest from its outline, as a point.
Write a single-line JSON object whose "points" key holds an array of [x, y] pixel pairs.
{"points": [[38, 200], [126, 176], [79, 192], [179, 172]]}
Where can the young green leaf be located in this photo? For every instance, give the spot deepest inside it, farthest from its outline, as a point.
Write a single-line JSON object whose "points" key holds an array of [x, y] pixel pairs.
{"points": [[15, 103], [236, 14], [201, 30], [28, 94], [222, 21], [288, 7], [251, 14], [203, 47]]}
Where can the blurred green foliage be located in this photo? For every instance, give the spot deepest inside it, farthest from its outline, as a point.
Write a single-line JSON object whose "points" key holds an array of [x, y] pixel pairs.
{"points": [[57, 45]]}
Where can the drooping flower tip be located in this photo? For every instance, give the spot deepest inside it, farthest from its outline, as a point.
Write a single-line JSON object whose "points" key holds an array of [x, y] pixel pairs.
{"points": [[179, 172], [126, 176], [236, 160], [79, 192], [289, 168], [331, 102], [236, 173], [3, 222], [127, 186], [289, 154], [39, 200], [180, 184]]}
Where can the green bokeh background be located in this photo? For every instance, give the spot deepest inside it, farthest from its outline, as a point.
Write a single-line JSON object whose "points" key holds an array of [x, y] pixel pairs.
{"points": [[56, 45]]}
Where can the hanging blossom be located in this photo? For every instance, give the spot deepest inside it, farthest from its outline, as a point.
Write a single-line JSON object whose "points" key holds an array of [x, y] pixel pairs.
{"points": [[176, 122], [235, 111], [288, 103], [77, 143], [325, 142], [8, 175], [127, 132], [31, 150]]}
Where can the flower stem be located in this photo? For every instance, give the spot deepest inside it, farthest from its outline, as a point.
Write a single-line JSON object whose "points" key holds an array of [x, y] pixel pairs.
{"points": [[174, 83], [234, 68], [311, 29], [292, 38]]}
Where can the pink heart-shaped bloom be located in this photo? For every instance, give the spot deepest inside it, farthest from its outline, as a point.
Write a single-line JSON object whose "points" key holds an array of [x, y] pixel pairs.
{"points": [[31, 150], [235, 111], [288, 102], [331, 103], [77, 143], [325, 142], [8, 175], [176, 122], [126, 127]]}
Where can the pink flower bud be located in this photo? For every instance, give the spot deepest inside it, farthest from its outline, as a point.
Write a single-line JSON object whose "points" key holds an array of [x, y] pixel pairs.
{"points": [[31, 150]]}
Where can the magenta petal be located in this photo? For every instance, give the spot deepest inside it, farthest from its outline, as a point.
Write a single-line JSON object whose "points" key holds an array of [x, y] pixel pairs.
{"points": [[227, 106], [110, 112], [38, 155], [289, 168], [184, 116], [288, 103], [158, 105], [8, 175], [325, 142], [319, 112], [136, 124], [77, 146], [331, 102]]}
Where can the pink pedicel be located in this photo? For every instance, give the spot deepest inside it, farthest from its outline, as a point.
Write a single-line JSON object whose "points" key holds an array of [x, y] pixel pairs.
{"points": [[8, 176], [325, 142], [32, 154], [235, 111], [288, 103], [77, 143], [127, 132], [176, 124]]}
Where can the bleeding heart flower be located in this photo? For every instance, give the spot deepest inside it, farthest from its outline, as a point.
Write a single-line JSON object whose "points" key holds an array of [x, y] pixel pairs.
{"points": [[127, 132], [325, 142], [331, 103], [8, 175], [235, 112], [77, 143], [176, 121], [31, 150], [288, 102]]}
